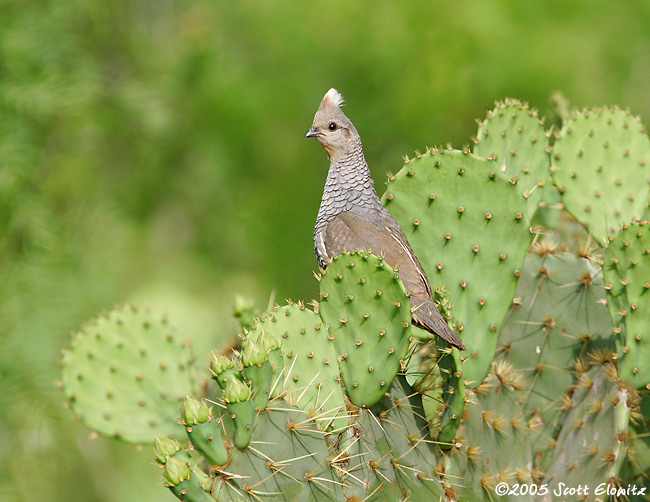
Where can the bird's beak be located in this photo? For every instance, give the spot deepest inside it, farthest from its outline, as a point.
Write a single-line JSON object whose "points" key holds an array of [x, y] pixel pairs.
{"points": [[312, 133]]}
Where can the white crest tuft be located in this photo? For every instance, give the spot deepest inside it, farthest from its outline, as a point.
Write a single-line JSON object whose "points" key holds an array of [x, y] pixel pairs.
{"points": [[334, 97]]}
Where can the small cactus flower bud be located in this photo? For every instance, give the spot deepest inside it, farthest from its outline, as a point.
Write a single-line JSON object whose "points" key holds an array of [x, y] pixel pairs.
{"points": [[163, 448], [194, 412], [237, 391], [219, 364], [268, 341], [253, 354], [175, 472]]}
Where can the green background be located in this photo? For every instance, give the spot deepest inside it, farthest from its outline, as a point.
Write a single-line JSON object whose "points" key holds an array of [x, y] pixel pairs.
{"points": [[152, 151]]}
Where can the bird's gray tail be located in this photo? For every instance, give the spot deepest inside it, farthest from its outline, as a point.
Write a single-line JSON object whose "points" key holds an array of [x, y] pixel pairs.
{"points": [[426, 316]]}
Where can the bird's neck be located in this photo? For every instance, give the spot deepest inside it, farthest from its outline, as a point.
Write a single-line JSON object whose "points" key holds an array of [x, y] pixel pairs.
{"points": [[350, 174], [348, 185]]}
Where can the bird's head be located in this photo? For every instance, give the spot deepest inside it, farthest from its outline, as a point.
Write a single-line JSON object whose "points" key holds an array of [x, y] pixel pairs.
{"points": [[331, 127]]}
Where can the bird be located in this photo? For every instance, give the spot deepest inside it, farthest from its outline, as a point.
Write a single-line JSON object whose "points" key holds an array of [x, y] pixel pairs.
{"points": [[351, 216]]}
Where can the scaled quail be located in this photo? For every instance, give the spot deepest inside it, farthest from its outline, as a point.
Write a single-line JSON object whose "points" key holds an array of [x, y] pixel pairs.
{"points": [[351, 216]]}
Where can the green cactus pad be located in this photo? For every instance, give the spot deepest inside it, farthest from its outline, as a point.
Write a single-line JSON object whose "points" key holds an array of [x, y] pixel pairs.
{"points": [[258, 371], [243, 419], [310, 377], [241, 409], [453, 399], [207, 440], [513, 134], [436, 372], [261, 379], [627, 274], [125, 374], [592, 443], [191, 490], [384, 453], [285, 462], [558, 316], [637, 462], [601, 164], [183, 482], [388, 450], [493, 442], [365, 305], [466, 223]]}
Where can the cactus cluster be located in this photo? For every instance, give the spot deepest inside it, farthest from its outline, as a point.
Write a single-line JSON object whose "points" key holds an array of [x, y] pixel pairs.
{"points": [[306, 371], [343, 399]]}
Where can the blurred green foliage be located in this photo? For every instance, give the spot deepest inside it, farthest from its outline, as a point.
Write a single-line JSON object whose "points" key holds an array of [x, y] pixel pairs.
{"points": [[152, 151]]}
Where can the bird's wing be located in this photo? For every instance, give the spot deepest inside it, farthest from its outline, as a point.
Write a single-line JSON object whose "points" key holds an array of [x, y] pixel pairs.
{"points": [[380, 234]]}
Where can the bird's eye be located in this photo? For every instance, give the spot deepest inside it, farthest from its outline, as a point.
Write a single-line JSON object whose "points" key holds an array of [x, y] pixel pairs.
{"points": [[332, 126]]}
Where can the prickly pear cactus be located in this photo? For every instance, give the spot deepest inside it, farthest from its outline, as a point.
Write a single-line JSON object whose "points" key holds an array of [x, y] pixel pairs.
{"points": [[493, 443], [384, 452], [467, 224], [309, 376], [557, 318], [593, 441], [345, 402], [601, 163], [365, 306], [627, 272], [453, 396], [125, 374], [636, 463], [513, 134], [387, 453], [203, 431], [285, 461], [258, 371], [184, 482]]}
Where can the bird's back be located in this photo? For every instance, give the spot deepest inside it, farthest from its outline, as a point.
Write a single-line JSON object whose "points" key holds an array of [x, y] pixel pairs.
{"points": [[373, 230]]}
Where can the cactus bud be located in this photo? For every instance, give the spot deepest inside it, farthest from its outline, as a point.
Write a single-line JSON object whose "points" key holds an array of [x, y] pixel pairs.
{"points": [[268, 341], [219, 364], [164, 448], [175, 472], [237, 391], [253, 354], [194, 412]]}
